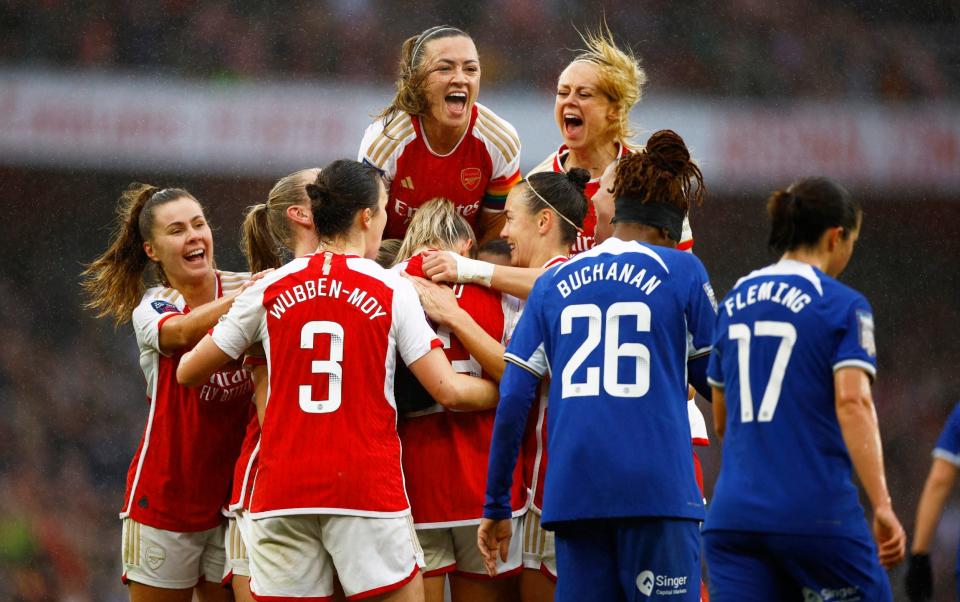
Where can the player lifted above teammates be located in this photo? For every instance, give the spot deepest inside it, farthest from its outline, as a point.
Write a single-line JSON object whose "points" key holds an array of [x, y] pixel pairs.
{"points": [[436, 141], [793, 361]]}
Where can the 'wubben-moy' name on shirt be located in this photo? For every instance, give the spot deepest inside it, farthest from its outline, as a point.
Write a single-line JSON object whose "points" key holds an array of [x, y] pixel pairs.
{"points": [[326, 287]]}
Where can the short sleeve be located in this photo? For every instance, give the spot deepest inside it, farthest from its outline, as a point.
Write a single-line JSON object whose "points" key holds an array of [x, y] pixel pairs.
{"points": [[526, 348], [148, 318], [413, 334], [857, 347], [380, 144], [948, 445], [243, 324], [701, 311]]}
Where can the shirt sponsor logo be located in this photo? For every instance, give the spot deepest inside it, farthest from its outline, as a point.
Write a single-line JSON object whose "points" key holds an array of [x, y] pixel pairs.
{"points": [[650, 583], [470, 177], [867, 340], [839, 594], [163, 306]]}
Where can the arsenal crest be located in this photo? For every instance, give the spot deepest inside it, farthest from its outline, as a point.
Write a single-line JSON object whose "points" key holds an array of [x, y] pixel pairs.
{"points": [[470, 177]]}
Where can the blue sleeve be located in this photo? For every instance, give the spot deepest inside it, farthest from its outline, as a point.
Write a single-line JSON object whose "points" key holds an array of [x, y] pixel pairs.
{"points": [[697, 376], [715, 366], [857, 348], [701, 311], [948, 445], [518, 389]]}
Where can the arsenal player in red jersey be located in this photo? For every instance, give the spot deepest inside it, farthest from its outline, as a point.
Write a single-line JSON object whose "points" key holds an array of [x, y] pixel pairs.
{"points": [[436, 141], [329, 492], [445, 453], [180, 476]]}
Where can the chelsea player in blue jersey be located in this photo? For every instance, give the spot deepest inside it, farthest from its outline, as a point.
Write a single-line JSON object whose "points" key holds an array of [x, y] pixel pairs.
{"points": [[793, 360], [621, 328], [936, 491]]}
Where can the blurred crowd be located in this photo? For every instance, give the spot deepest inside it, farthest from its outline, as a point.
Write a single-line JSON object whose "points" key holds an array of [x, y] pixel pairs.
{"points": [[895, 50]]}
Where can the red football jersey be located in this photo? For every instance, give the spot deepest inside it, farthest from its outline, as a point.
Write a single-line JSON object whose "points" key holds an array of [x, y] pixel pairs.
{"points": [[180, 476], [245, 468], [445, 453], [585, 239], [331, 327], [477, 174]]}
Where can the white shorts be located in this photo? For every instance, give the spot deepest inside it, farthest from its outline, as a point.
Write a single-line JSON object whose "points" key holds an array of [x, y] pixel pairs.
{"points": [[295, 556], [236, 550], [454, 549], [171, 559], [539, 547]]}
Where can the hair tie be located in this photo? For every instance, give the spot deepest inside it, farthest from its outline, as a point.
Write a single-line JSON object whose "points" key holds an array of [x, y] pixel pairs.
{"points": [[554, 209]]}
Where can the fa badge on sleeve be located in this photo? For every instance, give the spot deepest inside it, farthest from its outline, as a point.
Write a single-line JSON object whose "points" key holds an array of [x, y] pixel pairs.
{"points": [[867, 340]]}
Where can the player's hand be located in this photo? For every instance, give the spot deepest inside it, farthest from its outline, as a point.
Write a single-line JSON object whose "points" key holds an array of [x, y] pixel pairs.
{"points": [[890, 536], [440, 266], [438, 301], [919, 581], [493, 536]]}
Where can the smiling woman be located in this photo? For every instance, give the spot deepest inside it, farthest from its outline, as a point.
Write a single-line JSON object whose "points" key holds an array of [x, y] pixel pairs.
{"points": [[435, 140], [180, 475]]}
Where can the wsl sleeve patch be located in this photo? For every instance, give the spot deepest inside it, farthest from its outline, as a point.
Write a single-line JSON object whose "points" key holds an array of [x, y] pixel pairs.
{"points": [[164, 306], [867, 341], [708, 289]]}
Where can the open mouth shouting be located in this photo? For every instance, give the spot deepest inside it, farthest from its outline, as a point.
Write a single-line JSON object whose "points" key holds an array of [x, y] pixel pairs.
{"points": [[196, 256], [572, 124], [456, 103]]}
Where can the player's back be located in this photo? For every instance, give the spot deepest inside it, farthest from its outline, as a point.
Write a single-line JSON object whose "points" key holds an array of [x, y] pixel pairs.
{"points": [[619, 324], [782, 333], [329, 440]]}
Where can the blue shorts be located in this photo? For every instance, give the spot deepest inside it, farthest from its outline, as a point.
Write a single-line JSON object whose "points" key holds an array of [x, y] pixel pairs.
{"points": [[628, 559], [745, 566]]}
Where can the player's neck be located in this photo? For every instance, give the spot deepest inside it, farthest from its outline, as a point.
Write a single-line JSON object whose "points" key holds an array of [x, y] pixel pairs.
{"points": [[199, 292], [440, 139], [594, 158], [350, 244], [642, 233], [810, 255], [542, 256], [305, 246]]}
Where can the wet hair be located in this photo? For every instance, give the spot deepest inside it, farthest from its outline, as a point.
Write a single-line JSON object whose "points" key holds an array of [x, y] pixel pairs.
{"points": [[387, 254], [265, 233], [561, 193], [114, 281], [435, 224], [621, 78], [801, 214], [341, 189], [661, 172], [410, 97], [495, 246]]}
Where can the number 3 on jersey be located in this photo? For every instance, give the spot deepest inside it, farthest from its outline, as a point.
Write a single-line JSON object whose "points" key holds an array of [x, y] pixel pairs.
{"points": [[613, 350], [332, 367], [787, 334]]}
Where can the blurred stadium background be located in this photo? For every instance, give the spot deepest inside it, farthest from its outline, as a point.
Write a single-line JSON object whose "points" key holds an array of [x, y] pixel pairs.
{"points": [[225, 96]]}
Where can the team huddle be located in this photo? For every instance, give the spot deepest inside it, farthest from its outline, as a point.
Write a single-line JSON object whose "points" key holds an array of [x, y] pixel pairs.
{"points": [[438, 374]]}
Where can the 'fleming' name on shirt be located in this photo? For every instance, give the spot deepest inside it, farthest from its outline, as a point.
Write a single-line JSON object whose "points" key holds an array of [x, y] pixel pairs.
{"points": [[793, 299], [613, 271], [326, 287]]}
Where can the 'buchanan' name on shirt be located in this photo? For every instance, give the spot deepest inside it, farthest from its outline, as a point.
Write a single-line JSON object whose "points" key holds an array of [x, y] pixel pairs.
{"points": [[790, 297], [614, 271], [326, 287]]}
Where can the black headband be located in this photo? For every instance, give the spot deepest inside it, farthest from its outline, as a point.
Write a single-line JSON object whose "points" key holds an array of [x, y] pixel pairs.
{"points": [[659, 215]]}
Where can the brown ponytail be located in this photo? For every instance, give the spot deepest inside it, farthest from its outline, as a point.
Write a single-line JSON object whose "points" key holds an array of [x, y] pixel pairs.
{"points": [[113, 282], [662, 172], [265, 233], [259, 246]]}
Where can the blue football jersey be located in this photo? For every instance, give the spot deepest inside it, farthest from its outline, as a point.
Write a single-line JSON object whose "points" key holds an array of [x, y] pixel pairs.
{"points": [[615, 327], [948, 445], [781, 334]]}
